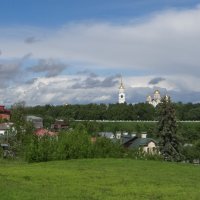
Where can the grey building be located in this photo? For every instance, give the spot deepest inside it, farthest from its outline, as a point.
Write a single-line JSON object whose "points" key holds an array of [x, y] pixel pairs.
{"points": [[37, 121]]}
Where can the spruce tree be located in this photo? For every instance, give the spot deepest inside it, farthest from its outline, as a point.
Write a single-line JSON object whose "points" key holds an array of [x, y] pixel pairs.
{"points": [[169, 144]]}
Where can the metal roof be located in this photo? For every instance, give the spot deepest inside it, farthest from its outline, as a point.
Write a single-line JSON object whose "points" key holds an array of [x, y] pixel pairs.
{"points": [[141, 142], [32, 117], [106, 134]]}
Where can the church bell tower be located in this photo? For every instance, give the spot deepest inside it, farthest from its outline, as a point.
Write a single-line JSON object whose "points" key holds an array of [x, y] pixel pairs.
{"points": [[121, 92]]}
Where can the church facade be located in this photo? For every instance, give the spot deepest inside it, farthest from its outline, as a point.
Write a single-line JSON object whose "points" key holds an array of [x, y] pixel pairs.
{"points": [[122, 97], [155, 99]]}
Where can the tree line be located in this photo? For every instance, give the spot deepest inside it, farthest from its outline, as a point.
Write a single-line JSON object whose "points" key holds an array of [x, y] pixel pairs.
{"points": [[76, 142], [140, 111]]}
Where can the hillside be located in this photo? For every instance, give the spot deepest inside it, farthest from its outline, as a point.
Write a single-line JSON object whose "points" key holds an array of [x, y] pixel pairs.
{"points": [[99, 179]]}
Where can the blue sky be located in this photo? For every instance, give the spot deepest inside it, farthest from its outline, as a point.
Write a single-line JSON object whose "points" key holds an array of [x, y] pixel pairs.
{"points": [[51, 13], [61, 51]]}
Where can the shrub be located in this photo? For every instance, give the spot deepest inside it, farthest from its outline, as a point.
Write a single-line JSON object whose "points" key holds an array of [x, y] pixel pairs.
{"points": [[104, 147], [41, 149], [73, 144]]}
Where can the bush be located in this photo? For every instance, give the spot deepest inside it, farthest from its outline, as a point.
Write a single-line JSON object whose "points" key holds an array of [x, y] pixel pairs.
{"points": [[77, 144], [73, 144], [192, 152], [104, 148], [41, 149], [1, 152], [141, 155]]}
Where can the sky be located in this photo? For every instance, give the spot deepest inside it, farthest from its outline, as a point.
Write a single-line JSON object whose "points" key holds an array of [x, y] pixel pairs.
{"points": [[74, 51]]}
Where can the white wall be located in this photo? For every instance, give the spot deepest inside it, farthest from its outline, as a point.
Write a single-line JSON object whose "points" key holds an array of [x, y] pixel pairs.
{"points": [[2, 132], [150, 147]]}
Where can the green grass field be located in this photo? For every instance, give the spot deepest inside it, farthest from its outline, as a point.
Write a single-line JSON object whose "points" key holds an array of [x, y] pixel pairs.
{"points": [[99, 179]]}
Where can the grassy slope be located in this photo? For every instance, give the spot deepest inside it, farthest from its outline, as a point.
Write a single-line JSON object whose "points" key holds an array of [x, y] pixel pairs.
{"points": [[99, 179]]}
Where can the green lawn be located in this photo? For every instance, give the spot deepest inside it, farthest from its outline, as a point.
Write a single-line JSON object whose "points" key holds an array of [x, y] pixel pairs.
{"points": [[99, 179]]}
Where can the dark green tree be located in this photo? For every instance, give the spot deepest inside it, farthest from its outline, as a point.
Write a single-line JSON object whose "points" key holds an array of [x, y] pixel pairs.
{"points": [[167, 130]]}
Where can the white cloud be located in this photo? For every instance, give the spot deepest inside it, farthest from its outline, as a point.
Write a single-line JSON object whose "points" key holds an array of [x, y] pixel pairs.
{"points": [[166, 45], [167, 42], [59, 90]]}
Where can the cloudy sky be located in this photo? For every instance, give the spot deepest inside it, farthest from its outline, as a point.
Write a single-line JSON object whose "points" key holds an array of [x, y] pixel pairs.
{"points": [[74, 51]]}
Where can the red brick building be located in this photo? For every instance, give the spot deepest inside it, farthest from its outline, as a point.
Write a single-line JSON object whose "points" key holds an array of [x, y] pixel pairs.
{"points": [[4, 113]]}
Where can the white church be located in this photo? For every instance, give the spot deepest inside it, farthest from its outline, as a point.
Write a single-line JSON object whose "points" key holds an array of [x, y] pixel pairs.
{"points": [[154, 100], [122, 98]]}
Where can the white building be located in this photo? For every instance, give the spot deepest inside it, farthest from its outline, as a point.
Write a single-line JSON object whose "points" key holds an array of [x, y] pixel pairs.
{"points": [[4, 127], [109, 135], [147, 145], [155, 100], [121, 93]]}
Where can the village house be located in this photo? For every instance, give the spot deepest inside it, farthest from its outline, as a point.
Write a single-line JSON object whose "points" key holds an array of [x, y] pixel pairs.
{"points": [[132, 141], [38, 125], [42, 132], [37, 121], [147, 145], [4, 127], [59, 125], [4, 113]]}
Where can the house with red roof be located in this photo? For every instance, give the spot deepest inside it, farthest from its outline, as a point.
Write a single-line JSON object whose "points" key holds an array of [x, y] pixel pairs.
{"points": [[43, 131], [4, 113]]}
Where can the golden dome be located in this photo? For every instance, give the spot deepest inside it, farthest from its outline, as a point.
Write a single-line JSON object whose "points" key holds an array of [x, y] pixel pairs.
{"points": [[156, 92]]}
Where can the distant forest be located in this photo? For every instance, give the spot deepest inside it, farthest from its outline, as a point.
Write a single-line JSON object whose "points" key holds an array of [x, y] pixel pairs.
{"points": [[140, 111]]}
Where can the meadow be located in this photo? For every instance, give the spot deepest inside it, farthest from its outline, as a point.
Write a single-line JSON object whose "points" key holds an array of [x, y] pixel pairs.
{"points": [[97, 179]]}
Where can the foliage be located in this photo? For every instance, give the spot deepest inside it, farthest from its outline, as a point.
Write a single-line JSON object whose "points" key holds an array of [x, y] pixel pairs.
{"points": [[21, 131], [125, 111], [41, 149], [21, 138], [192, 151], [139, 154], [17, 117], [1, 152], [70, 145], [73, 144], [167, 130], [104, 148], [140, 111]]}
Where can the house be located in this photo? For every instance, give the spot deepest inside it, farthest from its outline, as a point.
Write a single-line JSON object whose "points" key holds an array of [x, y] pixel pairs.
{"points": [[5, 127], [4, 113], [42, 132], [132, 141], [59, 125], [148, 145], [37, 121]]}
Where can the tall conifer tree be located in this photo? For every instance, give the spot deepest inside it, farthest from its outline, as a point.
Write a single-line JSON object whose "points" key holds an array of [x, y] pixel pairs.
{"points": [[167, 129]]}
